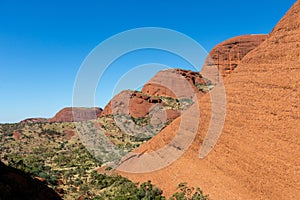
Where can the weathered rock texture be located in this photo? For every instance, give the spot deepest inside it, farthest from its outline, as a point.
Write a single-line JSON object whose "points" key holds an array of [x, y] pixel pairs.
{"points": [[174, 83], [69, 134], [227, 55], [15, 184], [257, 155], [34, 120], [76, 114], [131, 103]]}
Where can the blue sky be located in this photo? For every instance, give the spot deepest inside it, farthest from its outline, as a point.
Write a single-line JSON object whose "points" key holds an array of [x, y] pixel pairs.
{"points": [[43, 43]]}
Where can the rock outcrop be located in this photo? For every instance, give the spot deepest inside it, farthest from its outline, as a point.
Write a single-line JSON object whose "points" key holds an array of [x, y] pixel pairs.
{"points": [[167, 83], [16, 135], [257, 155], [76, 114], [15, 184], [135, 104], [173, 83], [69, 134], [34, 120], [228, 54]]}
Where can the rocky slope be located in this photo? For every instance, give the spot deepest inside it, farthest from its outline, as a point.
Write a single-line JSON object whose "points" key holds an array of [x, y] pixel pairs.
{"points": [[167, 83], [228, 54], [257, 155], [138, 105], [76, 114], [171, 84], [69, 114], [34, 120], [130, 103]]}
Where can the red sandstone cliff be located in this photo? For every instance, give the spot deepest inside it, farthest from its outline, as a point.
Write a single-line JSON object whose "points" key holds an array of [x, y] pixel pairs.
{"points": [[257, 155], [166, 83], [228, 54], [76, 114]]}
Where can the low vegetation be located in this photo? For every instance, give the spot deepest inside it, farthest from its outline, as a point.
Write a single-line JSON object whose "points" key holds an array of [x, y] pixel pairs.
{"points": [[46, 151]]}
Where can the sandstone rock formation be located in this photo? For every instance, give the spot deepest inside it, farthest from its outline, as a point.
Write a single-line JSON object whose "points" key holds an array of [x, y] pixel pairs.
{"points": [[135, 104], [257, 155], [228, 54], [69, 115], [167, 83], [69, 134], [120, 104], [15, 184], [174, 83], [16, 135], [76, 114], [34, 120]]}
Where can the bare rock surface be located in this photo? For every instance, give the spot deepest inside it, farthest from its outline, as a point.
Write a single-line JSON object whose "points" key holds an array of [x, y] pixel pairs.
{"points": [[257, 155]]}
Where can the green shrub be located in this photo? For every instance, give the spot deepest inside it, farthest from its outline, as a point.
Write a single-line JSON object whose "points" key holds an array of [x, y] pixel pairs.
{"points": [[188, 193]]}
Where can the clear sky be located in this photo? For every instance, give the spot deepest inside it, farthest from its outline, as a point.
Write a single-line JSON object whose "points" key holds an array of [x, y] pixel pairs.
{"points": [[43, 43]]}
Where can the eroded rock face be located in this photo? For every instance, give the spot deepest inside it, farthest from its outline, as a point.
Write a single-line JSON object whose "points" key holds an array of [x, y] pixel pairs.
{"points": [[69, 115], [76, 114], [131, 103], [16, 135], [175, 83], [136, 104], [15, 184], [257, 155], [34, 120], [69, 134], [227, 55]]}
